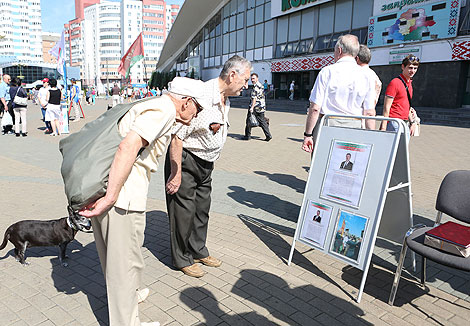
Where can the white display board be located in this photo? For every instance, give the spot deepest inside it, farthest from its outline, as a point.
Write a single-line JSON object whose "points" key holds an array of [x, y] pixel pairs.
{"points": [[354, 174]]}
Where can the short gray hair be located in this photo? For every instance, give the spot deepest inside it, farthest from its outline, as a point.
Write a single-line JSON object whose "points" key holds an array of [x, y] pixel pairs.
{"points": [[349, 44], [236, 63], [364, 55]]}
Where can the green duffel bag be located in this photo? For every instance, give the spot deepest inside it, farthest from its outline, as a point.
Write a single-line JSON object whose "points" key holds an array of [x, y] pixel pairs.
{"points": [[88, 155]]}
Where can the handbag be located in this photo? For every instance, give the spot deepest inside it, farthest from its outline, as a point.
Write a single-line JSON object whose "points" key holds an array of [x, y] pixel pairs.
{"points": [[7, 120], [20, 101], [252, 120]]}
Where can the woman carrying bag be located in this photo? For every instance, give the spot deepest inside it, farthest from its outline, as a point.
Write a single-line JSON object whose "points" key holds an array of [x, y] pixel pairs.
{"points": [[19, 103]]}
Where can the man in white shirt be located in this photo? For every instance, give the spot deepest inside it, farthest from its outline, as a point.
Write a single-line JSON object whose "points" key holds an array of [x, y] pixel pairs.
{"points": [[343, 88], [363, 59], [42, 94], [188, 169], [291, 90]]}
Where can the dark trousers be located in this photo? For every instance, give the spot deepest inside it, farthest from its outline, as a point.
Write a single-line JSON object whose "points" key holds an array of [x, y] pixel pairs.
{"points": [[47, 123], [188, 210], [262, 123]]}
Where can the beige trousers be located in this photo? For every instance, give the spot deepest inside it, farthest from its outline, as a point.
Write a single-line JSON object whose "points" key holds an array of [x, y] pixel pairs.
{"points": [[119, 236]]}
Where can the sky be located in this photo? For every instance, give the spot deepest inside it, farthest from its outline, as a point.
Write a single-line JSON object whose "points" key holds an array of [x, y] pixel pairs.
{"points": [[55, 13]]}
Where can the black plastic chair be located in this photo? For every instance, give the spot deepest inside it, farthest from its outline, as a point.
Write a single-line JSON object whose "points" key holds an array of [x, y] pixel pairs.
{"points": [[453, 199]]}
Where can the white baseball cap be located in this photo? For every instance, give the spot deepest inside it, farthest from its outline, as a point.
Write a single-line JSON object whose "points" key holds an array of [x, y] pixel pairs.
{"points": [[189, 87]]}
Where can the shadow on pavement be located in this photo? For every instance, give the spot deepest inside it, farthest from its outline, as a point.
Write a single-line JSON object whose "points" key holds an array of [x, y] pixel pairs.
{"points": [[212, 313], [285, 180], [157, 236], [309, 305], [282, 248], [266, 202], [77, 278]]}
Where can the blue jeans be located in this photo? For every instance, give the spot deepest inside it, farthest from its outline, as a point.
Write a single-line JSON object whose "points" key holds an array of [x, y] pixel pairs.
{"points": [[47, 123]]}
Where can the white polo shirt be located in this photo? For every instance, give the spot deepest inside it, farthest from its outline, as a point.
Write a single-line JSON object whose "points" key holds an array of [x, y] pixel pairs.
{"points": [[344, 88]]}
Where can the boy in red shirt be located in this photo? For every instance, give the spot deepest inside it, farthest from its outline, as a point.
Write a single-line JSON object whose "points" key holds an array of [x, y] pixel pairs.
{"points": [[397, 103]]}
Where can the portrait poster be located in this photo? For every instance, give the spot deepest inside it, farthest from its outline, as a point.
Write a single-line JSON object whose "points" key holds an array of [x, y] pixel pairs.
{"points": [[315, 223], [348, 236], [346, 172]]}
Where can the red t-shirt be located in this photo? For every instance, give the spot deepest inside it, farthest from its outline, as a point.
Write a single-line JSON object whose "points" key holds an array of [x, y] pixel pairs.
{"points": [[400, 106]]}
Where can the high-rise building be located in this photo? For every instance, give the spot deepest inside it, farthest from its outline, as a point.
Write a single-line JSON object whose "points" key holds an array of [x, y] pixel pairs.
{"points": [[49, 40], [103, 31], [20, 30], [101, 36]]}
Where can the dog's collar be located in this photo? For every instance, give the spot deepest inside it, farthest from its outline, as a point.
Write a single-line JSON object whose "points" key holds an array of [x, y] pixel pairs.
{"points": [[71, 224]]}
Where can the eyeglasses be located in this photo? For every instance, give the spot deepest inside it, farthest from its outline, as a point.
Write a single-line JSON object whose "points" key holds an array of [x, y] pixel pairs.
{"points": [[198, 106]]}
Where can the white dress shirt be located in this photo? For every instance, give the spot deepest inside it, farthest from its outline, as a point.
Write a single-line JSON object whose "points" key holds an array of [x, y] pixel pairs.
{"points": [[344, 88]]}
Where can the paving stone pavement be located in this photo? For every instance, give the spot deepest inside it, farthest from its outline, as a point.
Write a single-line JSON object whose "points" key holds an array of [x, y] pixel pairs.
{"points": [[257, 191]]}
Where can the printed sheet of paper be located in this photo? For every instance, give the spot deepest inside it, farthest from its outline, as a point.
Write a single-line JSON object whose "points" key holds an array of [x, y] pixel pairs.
{"points": [[315, 223], [346, 172]]}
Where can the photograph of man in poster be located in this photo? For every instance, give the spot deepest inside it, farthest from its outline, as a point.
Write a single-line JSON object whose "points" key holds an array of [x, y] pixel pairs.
{"points": [[317, 217], [347, 164]]}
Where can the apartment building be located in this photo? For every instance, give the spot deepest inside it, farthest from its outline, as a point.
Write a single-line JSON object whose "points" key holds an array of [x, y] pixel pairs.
{"points": [[20, 30]]}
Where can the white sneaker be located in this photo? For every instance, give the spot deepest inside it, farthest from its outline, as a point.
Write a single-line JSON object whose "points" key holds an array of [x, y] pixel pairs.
{"points": [[153, 323], [142, 295]]}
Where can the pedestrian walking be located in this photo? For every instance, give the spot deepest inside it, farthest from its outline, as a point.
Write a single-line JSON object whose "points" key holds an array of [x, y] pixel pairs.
{"points": [[42, 94], [75, 99], [5, 103], [257, 109], [291, 90], [19, 109], [53, 111], [398, 96]]}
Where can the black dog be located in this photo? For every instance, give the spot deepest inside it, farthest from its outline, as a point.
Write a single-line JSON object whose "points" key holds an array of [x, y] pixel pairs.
{"points": [[26, 234]]}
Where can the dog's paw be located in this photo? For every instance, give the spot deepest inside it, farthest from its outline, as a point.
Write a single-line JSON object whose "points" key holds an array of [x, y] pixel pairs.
{"points": [[25, 263]]}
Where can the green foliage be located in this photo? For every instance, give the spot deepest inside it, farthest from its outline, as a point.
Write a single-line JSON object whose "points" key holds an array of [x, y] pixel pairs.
{"points": [[161, 79]]}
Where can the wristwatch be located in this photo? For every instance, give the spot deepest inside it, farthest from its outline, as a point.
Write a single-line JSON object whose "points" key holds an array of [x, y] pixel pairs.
{"points": [[308, 135]]}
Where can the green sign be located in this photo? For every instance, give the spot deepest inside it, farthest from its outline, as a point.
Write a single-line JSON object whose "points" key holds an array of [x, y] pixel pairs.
{"points": [[288, 4]]}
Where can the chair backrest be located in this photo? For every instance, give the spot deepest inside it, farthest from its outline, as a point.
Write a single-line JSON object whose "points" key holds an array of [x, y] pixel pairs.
{"points": [[453, 197]]}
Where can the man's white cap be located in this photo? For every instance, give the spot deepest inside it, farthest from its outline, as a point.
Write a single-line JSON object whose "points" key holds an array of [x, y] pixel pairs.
{"points": [[188, 87]]}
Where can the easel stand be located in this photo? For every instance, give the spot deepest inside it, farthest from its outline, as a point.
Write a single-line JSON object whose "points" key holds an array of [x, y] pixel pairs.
{"points": [[80, 105], [370, 197]]}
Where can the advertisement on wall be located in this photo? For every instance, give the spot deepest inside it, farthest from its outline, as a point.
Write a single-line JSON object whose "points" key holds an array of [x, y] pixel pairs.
{"points": [[389, 6], [431, 21], [285, 7]]}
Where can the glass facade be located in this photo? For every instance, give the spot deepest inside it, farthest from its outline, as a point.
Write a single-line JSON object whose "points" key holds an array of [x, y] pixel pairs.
{"points": [[245, 27], [31, 73]]}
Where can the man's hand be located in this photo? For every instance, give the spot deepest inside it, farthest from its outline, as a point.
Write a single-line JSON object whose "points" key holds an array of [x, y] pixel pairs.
{"points": [[308, 144], [173, 184], [251, 109], [97, 208], [413, 129]]}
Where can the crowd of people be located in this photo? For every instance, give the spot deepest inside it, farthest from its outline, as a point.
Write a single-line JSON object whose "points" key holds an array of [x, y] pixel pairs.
{"points": [[191, 118]]}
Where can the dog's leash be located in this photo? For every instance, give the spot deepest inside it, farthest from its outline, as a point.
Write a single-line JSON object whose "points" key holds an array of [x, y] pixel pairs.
{"points": [[74, 226]]}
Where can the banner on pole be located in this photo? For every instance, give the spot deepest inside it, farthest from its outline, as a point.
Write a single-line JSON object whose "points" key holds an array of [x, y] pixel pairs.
{"points": [[132, 56]]}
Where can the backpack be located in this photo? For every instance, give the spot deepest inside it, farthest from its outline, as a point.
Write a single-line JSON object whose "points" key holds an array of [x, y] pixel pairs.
{"points": [[88, 155]]}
